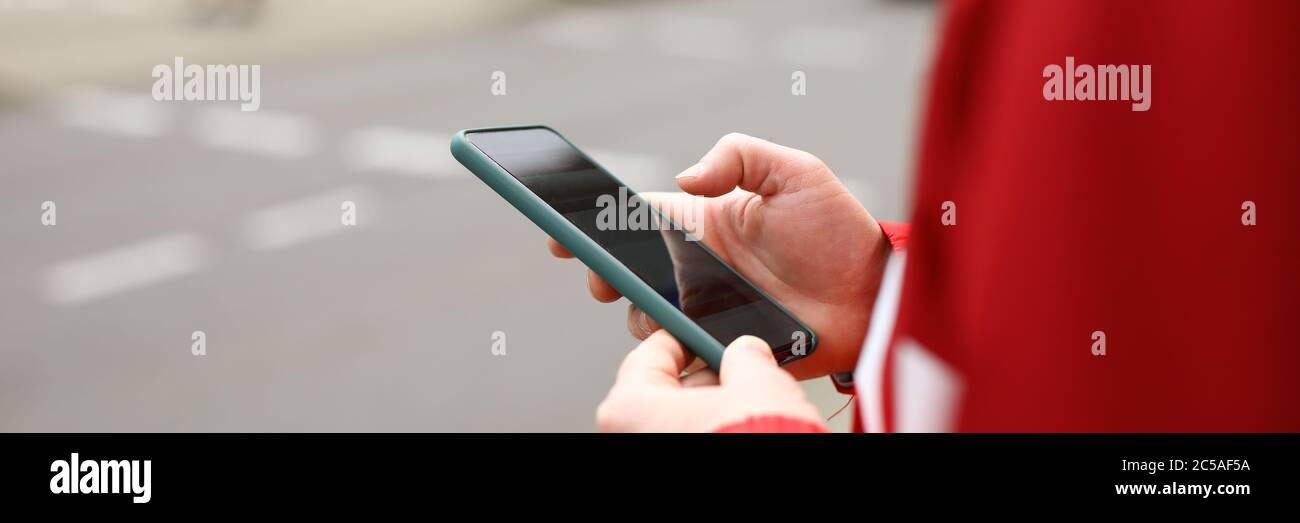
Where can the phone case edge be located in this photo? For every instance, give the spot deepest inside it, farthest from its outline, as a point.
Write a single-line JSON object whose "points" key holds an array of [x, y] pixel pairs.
{"points": [[593, 255]]}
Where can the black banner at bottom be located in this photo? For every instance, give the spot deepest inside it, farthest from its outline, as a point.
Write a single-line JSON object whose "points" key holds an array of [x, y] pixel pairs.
{"points": [[145, 472]]}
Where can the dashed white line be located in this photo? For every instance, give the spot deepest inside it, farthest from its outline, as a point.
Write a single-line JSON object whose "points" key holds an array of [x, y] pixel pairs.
{"points": [[124, 268], [579, 29], [711, 38], [700, 37], [112, 112], [108, 7], [641, 172], [34, 5], [260, 132], [120, 7], [300, 220], [401, 151], [826, 47]]}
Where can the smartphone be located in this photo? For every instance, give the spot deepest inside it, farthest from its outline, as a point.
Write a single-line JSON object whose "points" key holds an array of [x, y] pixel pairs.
{"points": [[656, 265]]}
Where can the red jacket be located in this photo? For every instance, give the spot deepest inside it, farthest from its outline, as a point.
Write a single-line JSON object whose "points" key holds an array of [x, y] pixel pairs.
{"points": [[1170, 234]]}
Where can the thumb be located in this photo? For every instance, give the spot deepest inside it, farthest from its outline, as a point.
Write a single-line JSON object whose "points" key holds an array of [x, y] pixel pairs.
{"points": [[746, 358], [752, 164]]}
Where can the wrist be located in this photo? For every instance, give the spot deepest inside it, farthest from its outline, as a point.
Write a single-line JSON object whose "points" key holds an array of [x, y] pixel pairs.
{"points": [[772, 423]]}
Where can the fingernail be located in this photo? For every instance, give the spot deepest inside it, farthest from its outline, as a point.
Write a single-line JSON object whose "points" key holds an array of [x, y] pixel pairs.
{"points": [[643, 321], [753, 343], [693, 171], [758, 347]]}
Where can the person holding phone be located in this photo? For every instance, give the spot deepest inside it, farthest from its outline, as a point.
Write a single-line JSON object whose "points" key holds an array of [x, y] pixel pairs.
{"points": [[1073, 265], [775, 229]]}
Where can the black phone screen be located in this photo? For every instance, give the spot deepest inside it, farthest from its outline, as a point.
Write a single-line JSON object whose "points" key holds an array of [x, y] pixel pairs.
{"points": [[658, 251]]}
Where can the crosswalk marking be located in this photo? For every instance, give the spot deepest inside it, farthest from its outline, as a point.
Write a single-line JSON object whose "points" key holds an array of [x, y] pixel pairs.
{"points": [[124, 268], [111, 112], [699, 37], [401, 151], [296, 221], [825, 47], [260, 132], [641, 172], [579, 29]]}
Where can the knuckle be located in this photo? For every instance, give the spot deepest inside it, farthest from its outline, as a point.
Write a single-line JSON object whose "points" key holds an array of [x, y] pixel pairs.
{"points": [[733, 138], [807, 163], [607, 414], [603, 422], [639, 323], [810, 159], [632, 327]]}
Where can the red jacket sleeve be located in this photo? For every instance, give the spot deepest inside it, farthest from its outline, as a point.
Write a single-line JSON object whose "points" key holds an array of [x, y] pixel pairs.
{"points": [[896, 233], [1087, 222]]}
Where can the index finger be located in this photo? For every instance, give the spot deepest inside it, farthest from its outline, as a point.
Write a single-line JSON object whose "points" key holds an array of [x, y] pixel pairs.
{"points": [[658, 360], [750, 163], [557, 250]]}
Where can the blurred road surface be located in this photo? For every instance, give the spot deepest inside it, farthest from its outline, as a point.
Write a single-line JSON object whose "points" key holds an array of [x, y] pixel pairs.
{"points": [[175, 217]]}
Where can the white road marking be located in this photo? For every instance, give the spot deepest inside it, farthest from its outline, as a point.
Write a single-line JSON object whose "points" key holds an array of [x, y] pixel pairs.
{"points": [[810, 47], [124, 268], [120, 7], [107, 7], [95, 108], [401, 151], [261, 132], [589, 29], [699, 37], [641, 172], [34, 5], [296, 221]]}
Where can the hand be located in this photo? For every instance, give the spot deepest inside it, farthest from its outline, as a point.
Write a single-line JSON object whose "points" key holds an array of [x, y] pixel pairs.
{"points": [[648, 396], [781, 218]]}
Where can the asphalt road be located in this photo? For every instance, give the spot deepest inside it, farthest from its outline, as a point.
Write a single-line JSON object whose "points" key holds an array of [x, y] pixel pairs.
{"points": [[176, 217]]}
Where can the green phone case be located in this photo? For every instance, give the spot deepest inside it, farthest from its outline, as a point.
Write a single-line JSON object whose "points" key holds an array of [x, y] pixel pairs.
{"points": [[596, 257]]}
